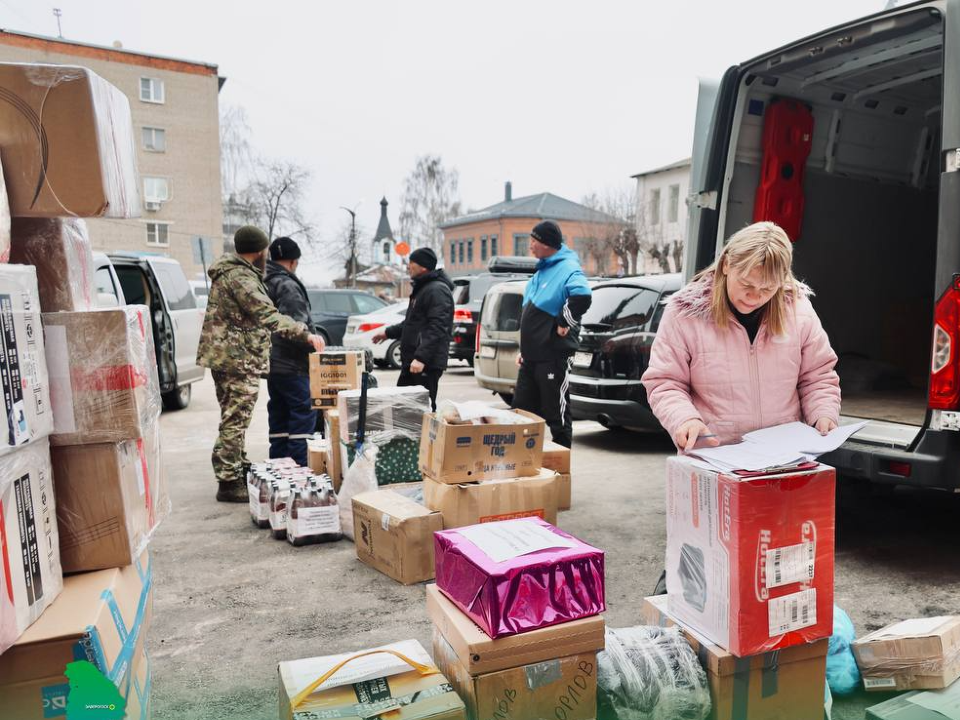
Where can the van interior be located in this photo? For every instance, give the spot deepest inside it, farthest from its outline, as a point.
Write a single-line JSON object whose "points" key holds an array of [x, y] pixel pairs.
{"points": [[868, 240]]}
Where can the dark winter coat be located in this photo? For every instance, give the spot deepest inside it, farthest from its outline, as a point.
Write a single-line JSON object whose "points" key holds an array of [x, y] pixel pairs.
{"points": [[427, 329], [288, 357]]}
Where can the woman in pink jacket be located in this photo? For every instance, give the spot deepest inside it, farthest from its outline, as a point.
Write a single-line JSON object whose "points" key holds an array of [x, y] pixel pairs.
{"points": [[740, 348]]}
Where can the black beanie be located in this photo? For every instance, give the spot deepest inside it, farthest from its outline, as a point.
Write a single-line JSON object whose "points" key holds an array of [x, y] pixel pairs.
{"points": [[425, 258], [283, 248], [250, 239], [548, 232]]}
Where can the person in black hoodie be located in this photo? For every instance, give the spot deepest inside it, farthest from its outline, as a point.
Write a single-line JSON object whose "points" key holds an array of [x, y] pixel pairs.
{"points": [[427, 329], [291, 418]]}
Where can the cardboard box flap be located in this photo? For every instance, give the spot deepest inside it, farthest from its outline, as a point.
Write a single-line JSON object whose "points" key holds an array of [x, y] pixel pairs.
{"points": [[938, 627], [393, 504], [479, 653]]}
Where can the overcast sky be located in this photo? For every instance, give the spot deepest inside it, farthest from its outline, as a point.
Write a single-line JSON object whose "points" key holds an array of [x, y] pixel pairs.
{"points": [[558, 96]]}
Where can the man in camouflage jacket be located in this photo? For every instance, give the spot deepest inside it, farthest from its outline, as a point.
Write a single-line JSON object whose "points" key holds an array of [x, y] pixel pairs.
{"points": [[235, 345]]}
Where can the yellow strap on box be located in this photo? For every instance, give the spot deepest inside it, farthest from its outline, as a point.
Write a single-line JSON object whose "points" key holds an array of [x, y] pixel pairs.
{"points": [[298, 699]]}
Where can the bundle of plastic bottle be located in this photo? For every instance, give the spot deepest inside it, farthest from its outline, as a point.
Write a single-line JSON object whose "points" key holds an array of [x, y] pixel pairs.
{"points": [[293, 502]]}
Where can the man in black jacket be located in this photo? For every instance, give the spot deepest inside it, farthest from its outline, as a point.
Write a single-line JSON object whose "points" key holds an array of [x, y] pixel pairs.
{"points": [[292, 419], [426, 330]]}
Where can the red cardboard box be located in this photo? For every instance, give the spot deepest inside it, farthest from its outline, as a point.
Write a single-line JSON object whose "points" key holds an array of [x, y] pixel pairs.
{"points": [[750, 561]]}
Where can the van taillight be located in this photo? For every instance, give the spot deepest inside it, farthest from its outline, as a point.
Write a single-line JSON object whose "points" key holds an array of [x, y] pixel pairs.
{"points": [[462, 315], [944, 365], [476, 342]]}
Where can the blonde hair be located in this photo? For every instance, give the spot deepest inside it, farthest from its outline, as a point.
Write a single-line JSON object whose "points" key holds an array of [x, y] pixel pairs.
{"points": [[762, 245]]}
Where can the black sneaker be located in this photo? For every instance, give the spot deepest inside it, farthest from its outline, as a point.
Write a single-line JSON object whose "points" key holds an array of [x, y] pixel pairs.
{"points": [[233, 492]]}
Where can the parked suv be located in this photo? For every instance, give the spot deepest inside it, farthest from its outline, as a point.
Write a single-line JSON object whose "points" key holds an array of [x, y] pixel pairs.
{"points": [[468, 294], [329, 310], [159, 283], [616, 334], [498, 338]]}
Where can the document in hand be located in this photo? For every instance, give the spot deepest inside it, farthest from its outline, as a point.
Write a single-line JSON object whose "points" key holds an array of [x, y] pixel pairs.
{"points": [[782, 446]]}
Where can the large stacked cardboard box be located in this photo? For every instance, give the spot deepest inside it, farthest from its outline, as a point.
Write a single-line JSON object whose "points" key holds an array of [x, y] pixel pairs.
{"points": [[511, 654]]}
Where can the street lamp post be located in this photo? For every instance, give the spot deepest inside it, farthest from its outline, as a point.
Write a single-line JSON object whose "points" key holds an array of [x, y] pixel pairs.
{"points": [[353, 245]]}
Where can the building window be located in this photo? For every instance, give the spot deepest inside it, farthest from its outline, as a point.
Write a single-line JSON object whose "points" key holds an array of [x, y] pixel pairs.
{"points": [[154, 139], [521, 244], [462, 243], [453, 252], [151, 90], [158, 234], [673, 207], [470, 250], [155, 190], [483, 248], [493, 246], [386, 251], [655, 206]]}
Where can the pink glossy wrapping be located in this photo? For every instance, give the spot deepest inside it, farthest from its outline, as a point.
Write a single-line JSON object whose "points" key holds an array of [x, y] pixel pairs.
{"points": [[547, 587]]}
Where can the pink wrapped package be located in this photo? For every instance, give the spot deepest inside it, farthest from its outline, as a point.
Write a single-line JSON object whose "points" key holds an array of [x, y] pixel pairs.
{"points": [[519, 575]]}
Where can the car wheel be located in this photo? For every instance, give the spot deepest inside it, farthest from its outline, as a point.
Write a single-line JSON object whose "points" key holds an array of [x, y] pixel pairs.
{"points": [[177, 399], [507, 398], [393, 355]]}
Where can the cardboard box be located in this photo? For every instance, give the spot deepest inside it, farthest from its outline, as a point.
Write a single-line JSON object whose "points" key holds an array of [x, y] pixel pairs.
{"points": [[563, 687], [519, 575], [480, 654], [919, 705], [23, 367], [68, 143], [468, 453], [101, 617], [103, 375], [333, 371], [4, 221], [59, 249], [317, 455], [493, 500], [786, 683], [395, 535], [921, 654], [331, 431], [750, 561], [556, 456], [366, 685], [110, 499], [30, 573], [564, 491]]}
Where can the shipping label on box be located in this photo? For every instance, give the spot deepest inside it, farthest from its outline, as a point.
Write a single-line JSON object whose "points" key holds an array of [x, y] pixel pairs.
{"points": [[786, 683], [919, 654], [395, 535], [27, 414], [455, 453], [398, 680], [333, 371], [563, 687], [30, 571], [750, 561], [479, 653], [494, 500]]}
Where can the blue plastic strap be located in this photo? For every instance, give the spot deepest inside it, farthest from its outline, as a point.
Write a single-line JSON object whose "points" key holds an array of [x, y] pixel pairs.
{"points": [[125, 656]]}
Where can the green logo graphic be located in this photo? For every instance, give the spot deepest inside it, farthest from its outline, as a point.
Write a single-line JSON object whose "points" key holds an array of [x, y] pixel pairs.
{"points": [[92, 696]]}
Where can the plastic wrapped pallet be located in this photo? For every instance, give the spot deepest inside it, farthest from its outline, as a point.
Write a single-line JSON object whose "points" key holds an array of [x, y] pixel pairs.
{"points": [[103, 375], [398, 411], [23, 369], [30, 572], [60, 250], [68, 143], [650, 673], [111, 497]]}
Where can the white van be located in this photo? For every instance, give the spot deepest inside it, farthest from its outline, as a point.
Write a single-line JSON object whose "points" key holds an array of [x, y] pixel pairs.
{"points": [[880, 236]]}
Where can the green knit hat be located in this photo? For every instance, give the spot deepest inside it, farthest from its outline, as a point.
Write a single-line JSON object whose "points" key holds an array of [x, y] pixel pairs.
{"points": [[250, 239]]}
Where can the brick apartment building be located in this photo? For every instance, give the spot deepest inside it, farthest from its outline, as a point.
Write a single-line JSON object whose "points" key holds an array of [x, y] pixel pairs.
{"points": [[471, 240], [174, 105]]}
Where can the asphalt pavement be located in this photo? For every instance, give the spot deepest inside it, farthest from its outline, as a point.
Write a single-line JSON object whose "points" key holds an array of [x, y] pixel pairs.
{"points": [[230, 602]]}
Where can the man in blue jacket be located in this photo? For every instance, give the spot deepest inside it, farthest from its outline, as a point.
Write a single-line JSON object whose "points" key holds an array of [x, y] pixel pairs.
{"points": [[555, 299]]}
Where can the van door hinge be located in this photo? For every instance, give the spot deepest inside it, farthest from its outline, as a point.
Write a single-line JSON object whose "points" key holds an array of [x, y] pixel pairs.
{"points": [[705, 200], [953, 160]]}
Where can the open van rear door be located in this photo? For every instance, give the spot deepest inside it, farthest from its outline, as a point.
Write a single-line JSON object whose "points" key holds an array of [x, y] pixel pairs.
{"points": [[716, 103]]}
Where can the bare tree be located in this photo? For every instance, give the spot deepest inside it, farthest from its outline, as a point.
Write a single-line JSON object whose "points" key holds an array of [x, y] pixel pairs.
{"points": [[653, 241], [616, 234], [276, 197], [236, 152], [350, 249], [429, 198]]}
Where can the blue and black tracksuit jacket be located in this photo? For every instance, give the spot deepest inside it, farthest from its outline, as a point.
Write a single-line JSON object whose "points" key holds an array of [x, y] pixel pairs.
{"points": [[556, 296]]}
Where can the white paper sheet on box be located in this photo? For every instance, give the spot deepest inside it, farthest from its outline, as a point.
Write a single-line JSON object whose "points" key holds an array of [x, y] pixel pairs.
{"points": [[510, 539]]}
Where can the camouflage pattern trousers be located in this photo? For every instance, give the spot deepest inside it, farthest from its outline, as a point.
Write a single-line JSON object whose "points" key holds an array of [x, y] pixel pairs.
{"points": [[237, 395]]}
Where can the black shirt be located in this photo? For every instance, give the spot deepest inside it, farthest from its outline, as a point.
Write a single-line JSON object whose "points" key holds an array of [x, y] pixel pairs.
{"points": [[750, 321]]}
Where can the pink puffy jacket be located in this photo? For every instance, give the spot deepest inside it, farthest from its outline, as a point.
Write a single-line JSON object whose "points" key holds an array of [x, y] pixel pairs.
{"points": [[698, 371]]}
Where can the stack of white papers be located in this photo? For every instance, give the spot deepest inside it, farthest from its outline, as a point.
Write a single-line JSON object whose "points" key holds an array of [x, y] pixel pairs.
{"points": [[779, 447]]}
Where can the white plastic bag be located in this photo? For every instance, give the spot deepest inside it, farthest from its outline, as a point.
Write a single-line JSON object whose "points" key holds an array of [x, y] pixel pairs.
{"points": [[360, 477]]}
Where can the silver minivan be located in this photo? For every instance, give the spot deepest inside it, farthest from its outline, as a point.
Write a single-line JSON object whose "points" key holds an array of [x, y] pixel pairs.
{"points": [[498, 338]]}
